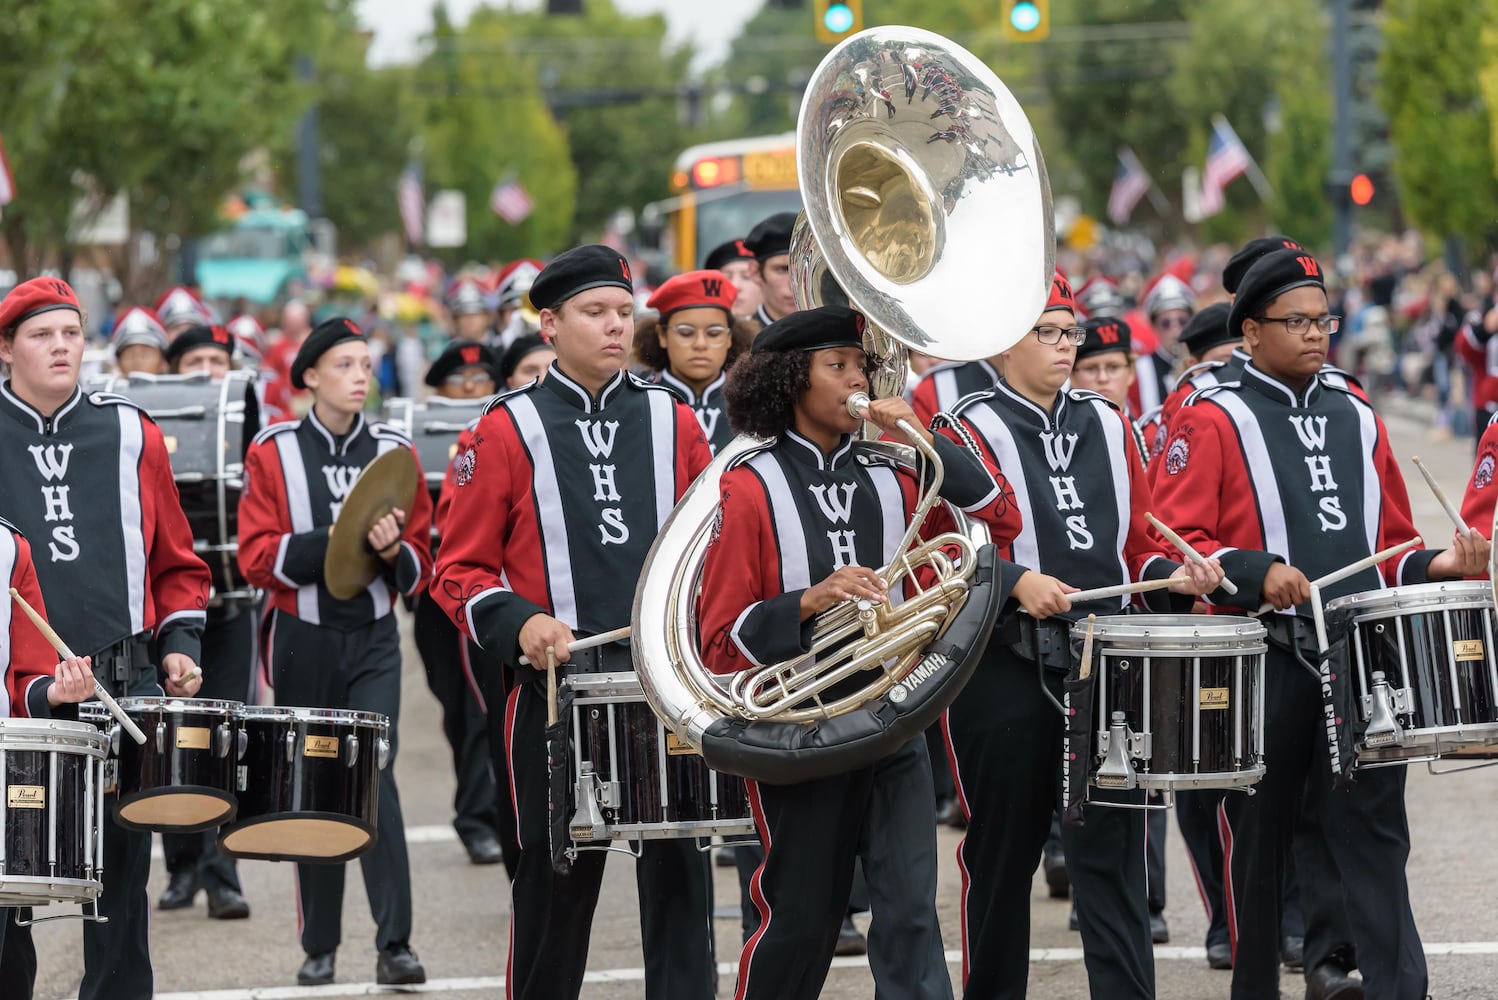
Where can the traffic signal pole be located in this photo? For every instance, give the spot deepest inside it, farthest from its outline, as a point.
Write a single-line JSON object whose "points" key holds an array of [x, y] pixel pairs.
{"points": [[1342, 171]]}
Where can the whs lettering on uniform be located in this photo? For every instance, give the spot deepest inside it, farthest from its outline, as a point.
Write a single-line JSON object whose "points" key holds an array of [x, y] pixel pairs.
{"points": [[598, 438], [1312, 434], [1059, 449], [52, 462], [836, 502], [340, 480], [708, 418]]}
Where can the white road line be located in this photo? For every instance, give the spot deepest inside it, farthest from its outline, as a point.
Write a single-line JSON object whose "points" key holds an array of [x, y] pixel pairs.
{"points": [[1162, 954]]}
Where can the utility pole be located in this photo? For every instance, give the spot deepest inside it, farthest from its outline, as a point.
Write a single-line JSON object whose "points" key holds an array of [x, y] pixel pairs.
{"points": [[309, 181], [1342, 171]]}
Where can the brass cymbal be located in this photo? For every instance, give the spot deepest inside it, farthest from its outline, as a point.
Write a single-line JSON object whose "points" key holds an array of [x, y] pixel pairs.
{"points": [[388, 482]]}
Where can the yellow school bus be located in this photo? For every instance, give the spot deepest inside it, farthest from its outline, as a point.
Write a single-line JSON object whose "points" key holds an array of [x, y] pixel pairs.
{"points": [[721, 189]]}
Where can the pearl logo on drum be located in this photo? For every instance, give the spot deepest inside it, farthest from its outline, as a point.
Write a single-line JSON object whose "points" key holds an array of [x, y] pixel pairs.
{"points": [[26, 797]]}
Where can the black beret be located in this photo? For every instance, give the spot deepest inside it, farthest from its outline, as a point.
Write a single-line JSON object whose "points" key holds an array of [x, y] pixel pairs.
{"points": [[577, 271], [200, 335], [772, 237], [812, 330], [1240, 262], [727, 253], [324, 337], [462, 354], [1208, 329], [517, 352], [1271, 276], [1104, 334]]}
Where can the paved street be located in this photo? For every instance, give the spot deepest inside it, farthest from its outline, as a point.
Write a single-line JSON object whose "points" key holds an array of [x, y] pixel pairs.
{"points": [[462, 911]]}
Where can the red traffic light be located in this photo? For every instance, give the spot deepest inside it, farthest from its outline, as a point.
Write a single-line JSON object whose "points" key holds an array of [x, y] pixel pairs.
{"points": [[1361, 189]]}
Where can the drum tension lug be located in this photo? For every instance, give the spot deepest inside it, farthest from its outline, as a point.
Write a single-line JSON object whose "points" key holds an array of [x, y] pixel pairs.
{"points": [[587, 823], [1381, 704], [1117, 746]]}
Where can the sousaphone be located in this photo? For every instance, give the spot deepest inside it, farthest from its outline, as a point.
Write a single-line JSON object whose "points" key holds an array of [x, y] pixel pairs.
{"points": [[928, 210]]}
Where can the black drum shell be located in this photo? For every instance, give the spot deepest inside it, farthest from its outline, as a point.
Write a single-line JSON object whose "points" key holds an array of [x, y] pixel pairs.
{"points": [[179, 765], [26, 829]]}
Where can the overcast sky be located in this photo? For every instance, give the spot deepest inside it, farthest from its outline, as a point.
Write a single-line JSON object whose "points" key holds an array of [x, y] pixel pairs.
{"points": [[711, 24]]}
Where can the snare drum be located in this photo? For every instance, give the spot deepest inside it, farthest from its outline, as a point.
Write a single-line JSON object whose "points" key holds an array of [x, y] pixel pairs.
{"points": [[51, 812], [1427, 677], [308, 784], [634, 779], [1180, 701], [433, 426], [181, 780]]}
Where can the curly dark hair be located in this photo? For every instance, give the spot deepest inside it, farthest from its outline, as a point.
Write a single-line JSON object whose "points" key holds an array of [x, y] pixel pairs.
{"points": [[762, 390], [649, 352]]}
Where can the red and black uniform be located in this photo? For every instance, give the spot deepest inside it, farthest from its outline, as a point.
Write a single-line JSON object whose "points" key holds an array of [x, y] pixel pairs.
{"points": [[1255, 473], [1079, 482], [710, 409], [325, 652], [1154, 375], [1477, 502], [1479, 349], [940, 388], [789, 516], [557, 501], [92, 489]]}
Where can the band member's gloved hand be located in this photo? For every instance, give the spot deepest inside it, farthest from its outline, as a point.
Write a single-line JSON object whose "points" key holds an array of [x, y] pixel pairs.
{"points": [[1196, 578], [73, 682], [1468, 556], [1285, 586], [385, 536], [856, 583], [183, 678], [540, 631], [1042, 596], [887, 414]]}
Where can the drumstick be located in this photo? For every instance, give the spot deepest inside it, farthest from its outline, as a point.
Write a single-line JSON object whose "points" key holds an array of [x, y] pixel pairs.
{"points": [[1352, 569], [1086, 670], [63, 650], [602, 639], [1435, 487], [551, 685], [1120, 590], [1186, 550]]}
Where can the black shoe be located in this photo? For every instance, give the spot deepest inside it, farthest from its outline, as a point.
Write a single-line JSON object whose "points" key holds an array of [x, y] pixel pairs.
{"points": [[1293, 952], [850, 940], [227, 904], [484, 849], [949, 813], [1159, 929], [1056, 879], [1220, 956], [397, 966], [1072, 924], [316, 971], [724, 858], [180, 891], [1329, 982]]}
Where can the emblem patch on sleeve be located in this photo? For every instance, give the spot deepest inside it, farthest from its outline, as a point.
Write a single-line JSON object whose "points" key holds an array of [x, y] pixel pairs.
{"points": [[1484, 473], [1176, 454], [463, 470]]}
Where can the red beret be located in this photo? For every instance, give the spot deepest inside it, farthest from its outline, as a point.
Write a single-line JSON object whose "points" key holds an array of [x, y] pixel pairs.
{"points": [[694, 290], [1061, 294], [39, 295]]}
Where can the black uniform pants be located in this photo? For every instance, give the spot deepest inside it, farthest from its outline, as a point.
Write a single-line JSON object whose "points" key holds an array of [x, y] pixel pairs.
{"points": [[1006, 738], [228, 670], [446, 655], [813, 832], [552, 915], [1363, 836], [318, 667], [17, 955]]}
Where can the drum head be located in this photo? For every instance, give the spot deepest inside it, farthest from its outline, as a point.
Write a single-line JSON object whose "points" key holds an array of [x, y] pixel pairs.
{"points": [[306, 837], [177, 809]]}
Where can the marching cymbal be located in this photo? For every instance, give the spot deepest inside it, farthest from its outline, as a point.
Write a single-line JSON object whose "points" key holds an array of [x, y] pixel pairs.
{"points": [[388, 482]]}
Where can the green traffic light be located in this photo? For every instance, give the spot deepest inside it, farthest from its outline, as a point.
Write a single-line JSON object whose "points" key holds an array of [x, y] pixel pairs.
{"points": [[1024, 16], [838, 18]]}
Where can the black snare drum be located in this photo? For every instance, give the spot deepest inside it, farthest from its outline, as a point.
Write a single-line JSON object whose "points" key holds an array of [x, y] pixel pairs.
{"points": [[181, 779], [51, 812], [633, 779], [433, 426], [308, 784]]}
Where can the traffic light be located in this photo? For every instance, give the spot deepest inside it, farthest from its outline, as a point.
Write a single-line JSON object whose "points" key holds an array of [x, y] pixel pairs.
{"points": [[837, 19], [1026, 20], [1361, 190]]}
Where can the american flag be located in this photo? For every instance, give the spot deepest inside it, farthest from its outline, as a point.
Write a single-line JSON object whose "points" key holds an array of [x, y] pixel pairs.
{"points": [[1227, 159], [1130, 184], [510, 201], [412, 204], [7, 182]]}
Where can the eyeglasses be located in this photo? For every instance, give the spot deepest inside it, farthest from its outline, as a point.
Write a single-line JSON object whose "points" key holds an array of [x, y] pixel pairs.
{"points": [[463, 379], [1049, 335], [1301, 325], [1107, 372], [1171, 322], [688, 333]]}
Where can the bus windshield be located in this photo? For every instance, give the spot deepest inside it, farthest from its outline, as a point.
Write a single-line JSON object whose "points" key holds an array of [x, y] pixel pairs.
{"points": [[730, 218]]}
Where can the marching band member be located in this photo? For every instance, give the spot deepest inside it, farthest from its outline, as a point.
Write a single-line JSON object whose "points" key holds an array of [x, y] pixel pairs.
{"points": [[33, 682], [1168, 303], [527, 359], [1078, 478], [770, 542], [557, 500], [1212, 357], [692, 343], [471, 316], [944, 384], [1477, 502], [88, 478], [179, 308], [737, 261], [770, 242], [330, 653], [139, 343], [1232, 483]]}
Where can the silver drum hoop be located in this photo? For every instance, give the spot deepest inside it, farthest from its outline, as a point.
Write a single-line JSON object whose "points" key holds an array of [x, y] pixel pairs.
{"points": [[1450, 595], [1174, 635], [327, 716], [200, 706]]}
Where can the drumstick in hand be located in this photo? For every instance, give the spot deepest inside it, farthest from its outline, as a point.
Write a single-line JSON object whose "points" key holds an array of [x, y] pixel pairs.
{"points": [[1086, 670], [1228, 587], [1445, 501], [551, 685], [63, 650]]}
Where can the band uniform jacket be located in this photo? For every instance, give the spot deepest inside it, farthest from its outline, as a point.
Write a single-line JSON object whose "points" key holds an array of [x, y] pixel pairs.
{"points": [[296, 476], [92, 489], [941, 387], [710, 408], [1154, 374], [1477, 502], [1255, 473], [558, 498], [789, 516], [1079, 480], [27, 660]]}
